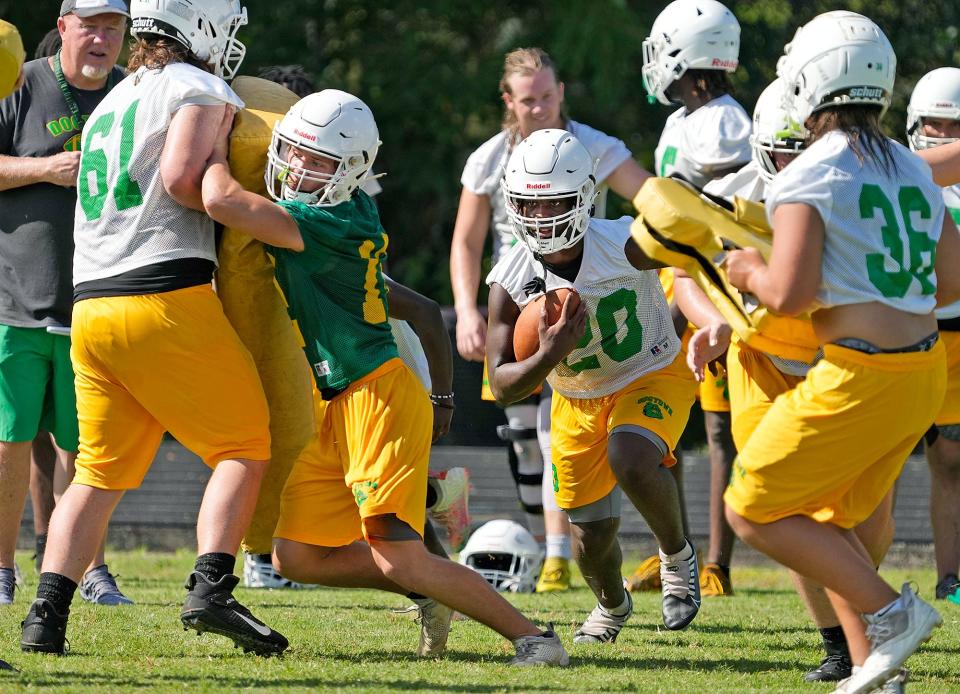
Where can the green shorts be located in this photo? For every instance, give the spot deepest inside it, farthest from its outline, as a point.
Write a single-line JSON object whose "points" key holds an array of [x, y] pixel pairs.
{"points": [[36, 386]]}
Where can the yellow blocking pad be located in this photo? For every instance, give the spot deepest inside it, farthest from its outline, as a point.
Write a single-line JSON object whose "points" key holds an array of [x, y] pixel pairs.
{"points": [[832, 447], [680, 228], [369, 457], [161, 362], [659, 402], [257, 311]]}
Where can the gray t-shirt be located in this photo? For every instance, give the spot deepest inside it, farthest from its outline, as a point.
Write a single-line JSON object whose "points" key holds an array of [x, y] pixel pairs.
{"points": [[36, 221]]}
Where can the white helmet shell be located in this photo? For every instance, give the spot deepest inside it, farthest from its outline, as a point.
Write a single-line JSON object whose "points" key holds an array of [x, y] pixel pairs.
{"points": [[838, 58], [772, 131], [689, 35], [550, 164], [937, 95], [331, 124], [207, 27], [505, 554]]}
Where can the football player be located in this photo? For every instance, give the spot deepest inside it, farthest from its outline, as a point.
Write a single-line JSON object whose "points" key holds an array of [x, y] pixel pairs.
{"points": [[353, 508], [692, 47], [872, 297], [933, 119], [621, 397], [152, 349], [533, 97]]}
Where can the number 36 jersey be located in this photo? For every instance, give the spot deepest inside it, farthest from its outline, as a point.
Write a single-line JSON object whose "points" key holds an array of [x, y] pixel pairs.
{"points": [[882, 227], [629, 331], [125, 219]]}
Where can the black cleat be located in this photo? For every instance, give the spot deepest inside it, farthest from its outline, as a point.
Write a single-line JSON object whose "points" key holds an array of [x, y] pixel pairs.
{"points": [[44, 630], [835, 667], [212, 607], [947, 586]]}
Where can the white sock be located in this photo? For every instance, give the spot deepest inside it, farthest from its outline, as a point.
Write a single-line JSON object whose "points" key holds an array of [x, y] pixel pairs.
{"points": [[682, 555], [559, 546], [622, 609]]}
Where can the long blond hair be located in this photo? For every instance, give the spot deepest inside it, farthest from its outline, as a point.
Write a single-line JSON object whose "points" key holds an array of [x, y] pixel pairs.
{"points": [[524, 61]]}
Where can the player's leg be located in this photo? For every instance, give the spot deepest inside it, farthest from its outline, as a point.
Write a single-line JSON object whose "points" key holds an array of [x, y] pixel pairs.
{"points": [[526, 462], [555, 574], [715, 579], [42, 463], [943, 457]]}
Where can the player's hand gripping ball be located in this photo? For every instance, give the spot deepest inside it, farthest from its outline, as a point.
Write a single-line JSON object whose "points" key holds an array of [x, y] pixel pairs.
{"points": [[526, 332]]}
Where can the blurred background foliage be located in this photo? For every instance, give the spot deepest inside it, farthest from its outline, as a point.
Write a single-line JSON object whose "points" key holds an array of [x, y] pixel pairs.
{"points": [[429, 71]]}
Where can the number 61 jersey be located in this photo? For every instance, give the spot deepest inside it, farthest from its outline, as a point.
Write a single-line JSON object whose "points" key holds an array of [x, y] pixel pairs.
{"points": [[881, 225], [125, 219], [629, 330]]}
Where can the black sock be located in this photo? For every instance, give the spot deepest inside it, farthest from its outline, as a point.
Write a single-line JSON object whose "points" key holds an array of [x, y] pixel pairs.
{"points": [[215, 565], [266, 558], [725, 568], [431, 496], [834, 641], [416, 596], [58, 590]]}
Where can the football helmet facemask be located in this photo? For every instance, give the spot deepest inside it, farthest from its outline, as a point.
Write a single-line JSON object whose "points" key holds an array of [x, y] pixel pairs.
{"points": [[550, 165], [772, 131], [505, 554], [331, 124]]}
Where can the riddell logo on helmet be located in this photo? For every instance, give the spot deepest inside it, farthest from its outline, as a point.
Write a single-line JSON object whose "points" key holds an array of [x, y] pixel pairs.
{"points": [[305, 136], [719, 62], [539, 186]]}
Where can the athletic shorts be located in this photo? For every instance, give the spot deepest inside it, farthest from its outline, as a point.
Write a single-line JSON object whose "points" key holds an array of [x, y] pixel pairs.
{"points": [[754, 384], [579, 429], [36, 386], [369, 457], [162, 362], [832, 447], [950, 412]]}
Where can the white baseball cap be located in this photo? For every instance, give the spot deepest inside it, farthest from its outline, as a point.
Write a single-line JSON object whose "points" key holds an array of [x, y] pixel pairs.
{"points": [[88, 8]]}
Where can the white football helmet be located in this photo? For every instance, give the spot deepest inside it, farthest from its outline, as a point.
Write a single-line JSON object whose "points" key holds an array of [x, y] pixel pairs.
{"points": [[772, 131], [332, 124], [688, 35], [937, 95], [837, 58], [505, 554], [207, 27], [550, 164]]}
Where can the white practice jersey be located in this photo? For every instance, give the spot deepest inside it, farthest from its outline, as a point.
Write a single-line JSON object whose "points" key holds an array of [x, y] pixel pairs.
{"points": [[629, 329], [713, 138], [881, 229], [411, 351], [486, 165], [951, 198], [124, 217]]}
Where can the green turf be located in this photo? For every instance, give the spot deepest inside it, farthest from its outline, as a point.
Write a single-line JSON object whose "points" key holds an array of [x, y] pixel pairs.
{"points": [[759, 640]]}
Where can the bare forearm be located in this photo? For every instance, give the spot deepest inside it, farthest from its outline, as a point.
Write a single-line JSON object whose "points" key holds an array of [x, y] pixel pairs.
{"points": [[514, 381], [464, 278], [693, 302], [16, 172]]}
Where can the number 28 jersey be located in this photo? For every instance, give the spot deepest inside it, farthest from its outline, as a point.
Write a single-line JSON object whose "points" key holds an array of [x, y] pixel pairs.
{"points": [[882, 227], [629, 331], [125, 219]]}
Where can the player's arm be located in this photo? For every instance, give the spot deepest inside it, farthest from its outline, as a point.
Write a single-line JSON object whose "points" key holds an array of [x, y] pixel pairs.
{"points": [[945, 162], [712, 337], [788, 283], [947, 262], [510, 380], [423, 314], [190, 141], [227, 202], [636, 257], [466, 254], [59, 169], [627, 179]]}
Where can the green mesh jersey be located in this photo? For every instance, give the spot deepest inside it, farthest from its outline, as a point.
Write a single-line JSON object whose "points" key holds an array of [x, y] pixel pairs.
{"points": [[334, 289]]}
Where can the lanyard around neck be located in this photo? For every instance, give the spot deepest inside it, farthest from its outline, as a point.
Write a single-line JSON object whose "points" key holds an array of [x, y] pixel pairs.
{"points": [[68, 93]]}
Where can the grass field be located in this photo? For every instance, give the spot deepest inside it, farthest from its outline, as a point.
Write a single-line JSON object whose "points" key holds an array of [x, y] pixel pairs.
{"points": [[758, 640]]}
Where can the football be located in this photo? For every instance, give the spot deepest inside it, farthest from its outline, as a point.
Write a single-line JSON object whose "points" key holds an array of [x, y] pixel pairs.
{"points": [[526, 333]]}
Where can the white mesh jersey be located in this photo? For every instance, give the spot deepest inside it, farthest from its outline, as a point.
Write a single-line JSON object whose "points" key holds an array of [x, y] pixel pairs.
{"points": [[124, 217], [881, 228], [629, 330], [411, 351], [697, 145], [951, 198], [486, 165]]}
